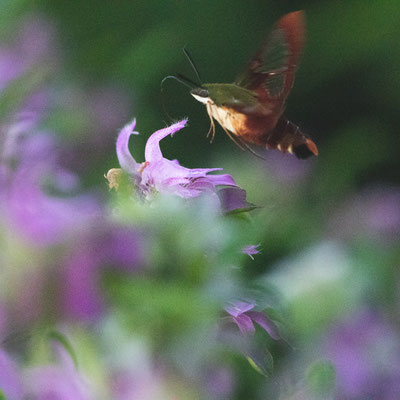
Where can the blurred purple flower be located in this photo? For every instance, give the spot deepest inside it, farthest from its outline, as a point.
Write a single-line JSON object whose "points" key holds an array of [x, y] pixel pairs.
{"points": [[140, 384], [33, 45], [251, 250], [286, 169], [60, 381], [241, 314], [116, 248], [41, 217], [220, 382], [162, 175], [366, 353], [10, 380], [374, 213]]}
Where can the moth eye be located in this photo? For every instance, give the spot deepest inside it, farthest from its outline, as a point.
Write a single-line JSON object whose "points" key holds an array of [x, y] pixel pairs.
{"points": [[200, 92]]}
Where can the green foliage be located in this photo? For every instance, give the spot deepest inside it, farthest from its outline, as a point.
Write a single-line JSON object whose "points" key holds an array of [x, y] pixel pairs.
{"points": [[321, 378], [65, 343]]}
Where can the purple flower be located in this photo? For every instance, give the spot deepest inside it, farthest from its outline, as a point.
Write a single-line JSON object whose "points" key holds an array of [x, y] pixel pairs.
{"points": [[39, 216], [374, 213], [117, 248], [33, 45], [241, 314], [219, 381], [158, 174], [10, 381], [251, 250], [39, 196], [59, 381], [366, 353], [286, 170]]}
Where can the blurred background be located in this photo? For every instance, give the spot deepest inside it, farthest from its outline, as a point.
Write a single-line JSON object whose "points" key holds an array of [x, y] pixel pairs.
{"points": [[328, 227]]}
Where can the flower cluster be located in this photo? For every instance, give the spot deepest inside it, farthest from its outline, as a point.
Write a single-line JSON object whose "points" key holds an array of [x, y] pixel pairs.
{"points": [[157, 174]]}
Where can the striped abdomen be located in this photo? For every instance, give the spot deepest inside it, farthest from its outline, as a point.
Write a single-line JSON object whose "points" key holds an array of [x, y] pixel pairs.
{"points": [[288, 138], [266, 131]]}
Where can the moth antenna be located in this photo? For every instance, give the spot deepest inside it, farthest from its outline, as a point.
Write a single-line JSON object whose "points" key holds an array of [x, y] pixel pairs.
{"points": [[188, 80], [193, 64]]}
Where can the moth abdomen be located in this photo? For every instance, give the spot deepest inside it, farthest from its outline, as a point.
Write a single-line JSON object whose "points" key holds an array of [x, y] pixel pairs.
{"points": [[288, 138]]}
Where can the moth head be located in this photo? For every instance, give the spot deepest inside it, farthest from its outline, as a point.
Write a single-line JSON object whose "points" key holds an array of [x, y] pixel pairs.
{"points": [[200, 94]]}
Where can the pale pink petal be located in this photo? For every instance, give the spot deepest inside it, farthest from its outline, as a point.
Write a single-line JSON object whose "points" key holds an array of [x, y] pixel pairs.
{"points": [[126, 161], [250, 250], [152, 151], [239, 307], [266, 323], [245, 324], [224, 179]]}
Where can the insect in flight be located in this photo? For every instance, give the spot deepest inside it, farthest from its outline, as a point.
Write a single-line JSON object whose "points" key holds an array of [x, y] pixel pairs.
{"points": [[250, 110]]}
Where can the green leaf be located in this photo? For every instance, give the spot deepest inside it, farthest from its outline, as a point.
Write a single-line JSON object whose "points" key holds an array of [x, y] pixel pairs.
{"points": [[2, 395], [321, 377], [65, 343], [261, 360]]}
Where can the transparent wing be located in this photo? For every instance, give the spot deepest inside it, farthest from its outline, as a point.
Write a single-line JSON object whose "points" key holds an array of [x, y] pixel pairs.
{"points": [[271, 71]]}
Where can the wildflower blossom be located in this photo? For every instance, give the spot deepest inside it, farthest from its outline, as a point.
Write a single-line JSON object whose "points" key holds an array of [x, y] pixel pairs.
{"points": [[241, 314], [39, 193], [160, 174], [374, 213], [251, 250], [365, 350], [116, 248]]}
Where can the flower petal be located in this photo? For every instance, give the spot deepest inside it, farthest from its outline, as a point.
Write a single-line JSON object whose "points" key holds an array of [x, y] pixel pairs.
{"points": [[233, 198], [245, 324], [224, 179], [250, 250], [239, 307], [261, 319], [152, 150], [126, 161]]}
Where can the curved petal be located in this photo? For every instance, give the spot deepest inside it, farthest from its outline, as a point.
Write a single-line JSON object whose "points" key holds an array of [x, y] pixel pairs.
{"points": [[195, 172], [239, 307], [266, 323], [126, 161], [233, 198], [223, 179], [152, 150], [245, 324]]}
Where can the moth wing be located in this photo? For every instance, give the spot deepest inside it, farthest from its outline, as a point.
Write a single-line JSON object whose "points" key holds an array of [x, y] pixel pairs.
{"points": [[271, 71]]}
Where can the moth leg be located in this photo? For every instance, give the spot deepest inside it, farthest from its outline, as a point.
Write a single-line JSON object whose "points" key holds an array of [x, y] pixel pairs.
{"points": [[248, 148], [233, 139], [212, 125]]}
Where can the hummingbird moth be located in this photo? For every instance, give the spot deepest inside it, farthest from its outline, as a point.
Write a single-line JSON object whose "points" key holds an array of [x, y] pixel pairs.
{"points": [[250, 110]]}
